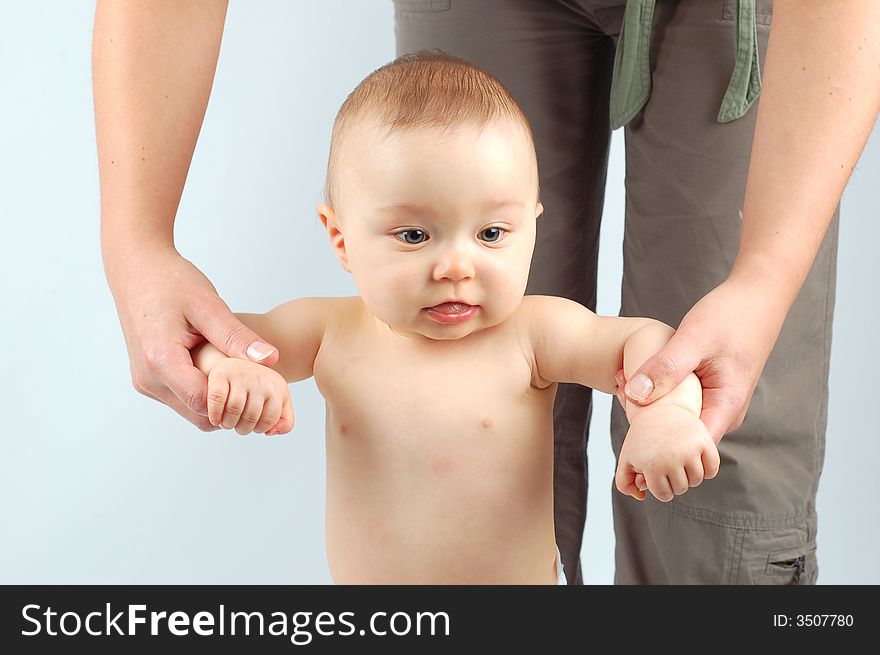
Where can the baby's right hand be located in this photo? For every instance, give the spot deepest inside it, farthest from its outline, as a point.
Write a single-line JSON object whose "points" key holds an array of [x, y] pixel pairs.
{"points": [[249, 397]]}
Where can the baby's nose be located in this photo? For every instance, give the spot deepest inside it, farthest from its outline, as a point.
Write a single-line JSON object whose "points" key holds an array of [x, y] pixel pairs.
{"points": [[454, 265]]}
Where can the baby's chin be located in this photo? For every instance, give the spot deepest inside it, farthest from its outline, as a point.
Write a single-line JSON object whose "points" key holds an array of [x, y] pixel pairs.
{"points": [[427, 328], [447, 334]]}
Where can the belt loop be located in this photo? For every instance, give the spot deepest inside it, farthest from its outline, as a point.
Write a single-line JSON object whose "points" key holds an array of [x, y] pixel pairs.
{"points": [[631, 79], [745, 83]]}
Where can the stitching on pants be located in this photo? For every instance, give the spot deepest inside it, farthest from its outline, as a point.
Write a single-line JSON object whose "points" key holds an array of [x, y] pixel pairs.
{"points": [[826, 347], [743, 521], [735, 557]]}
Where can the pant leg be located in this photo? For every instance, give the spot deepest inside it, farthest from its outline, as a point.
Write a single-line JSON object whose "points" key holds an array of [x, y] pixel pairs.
{"points": [[557, 65], [755, 523]]}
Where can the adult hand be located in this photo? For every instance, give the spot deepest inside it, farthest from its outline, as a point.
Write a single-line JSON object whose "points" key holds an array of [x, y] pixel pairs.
{"points": [[166, 306], [725, 339]]}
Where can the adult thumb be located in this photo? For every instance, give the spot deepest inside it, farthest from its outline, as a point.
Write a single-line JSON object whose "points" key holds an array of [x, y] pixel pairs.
{"points": [[235, 339], [663, 372]]}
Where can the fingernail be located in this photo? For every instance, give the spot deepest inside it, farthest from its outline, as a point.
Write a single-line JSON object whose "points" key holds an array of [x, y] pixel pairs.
{"points": [[640, 387], [258, 351]]}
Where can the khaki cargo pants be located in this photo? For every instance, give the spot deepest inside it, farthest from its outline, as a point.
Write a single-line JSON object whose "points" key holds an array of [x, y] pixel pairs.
{"points": [[755, 523]]}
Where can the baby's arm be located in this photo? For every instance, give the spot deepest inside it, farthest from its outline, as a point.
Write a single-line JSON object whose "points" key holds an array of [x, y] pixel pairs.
{"points": [[666, 442], [251, 397]]}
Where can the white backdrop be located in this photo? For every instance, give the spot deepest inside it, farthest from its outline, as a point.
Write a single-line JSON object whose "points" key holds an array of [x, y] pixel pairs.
{"points": [[101, 485]]}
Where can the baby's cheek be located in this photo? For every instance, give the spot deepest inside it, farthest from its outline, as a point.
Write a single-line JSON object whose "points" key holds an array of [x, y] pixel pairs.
{"points": [[512, 270], [506, 290], [390, 297]]}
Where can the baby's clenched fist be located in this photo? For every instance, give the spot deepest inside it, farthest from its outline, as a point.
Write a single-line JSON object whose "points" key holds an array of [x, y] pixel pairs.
{"points": [[671, 447], [248, 397]]}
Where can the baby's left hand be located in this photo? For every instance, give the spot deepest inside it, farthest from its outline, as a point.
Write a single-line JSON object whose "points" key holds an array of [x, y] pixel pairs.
{"points": [[671, 447]]}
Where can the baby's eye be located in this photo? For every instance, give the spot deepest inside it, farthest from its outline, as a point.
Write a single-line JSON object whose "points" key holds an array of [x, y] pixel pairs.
{"points": [[492, 234], [412, 237]]}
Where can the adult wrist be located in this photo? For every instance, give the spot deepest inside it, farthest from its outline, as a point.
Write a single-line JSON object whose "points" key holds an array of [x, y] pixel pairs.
{"points": [[125, 235], [123, 249], [768, 288], [768, 276]]}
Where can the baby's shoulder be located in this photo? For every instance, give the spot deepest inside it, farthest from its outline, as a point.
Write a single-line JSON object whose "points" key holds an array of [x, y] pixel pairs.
{"points": [[528, 324], [535, 303], [534, 311], [555, 321], [326, 309], [314, 318]]}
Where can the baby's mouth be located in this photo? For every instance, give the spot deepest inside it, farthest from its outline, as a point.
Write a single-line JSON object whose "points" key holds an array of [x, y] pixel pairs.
{"points": [[450, 307], [452, 312]]}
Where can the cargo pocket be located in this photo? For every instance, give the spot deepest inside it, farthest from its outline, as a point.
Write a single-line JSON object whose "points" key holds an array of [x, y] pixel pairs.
{"points": [[780, 555], [797, 566]]}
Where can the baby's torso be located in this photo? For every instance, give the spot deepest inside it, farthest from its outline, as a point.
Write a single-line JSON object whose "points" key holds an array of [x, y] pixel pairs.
{"points": [[439, 459]]}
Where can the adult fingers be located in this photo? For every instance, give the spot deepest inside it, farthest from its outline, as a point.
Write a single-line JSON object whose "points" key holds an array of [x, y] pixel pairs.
{"points": [[220, 326], [722, 411], [171, 369], [664, 371], [620, 380], [167, 398]]}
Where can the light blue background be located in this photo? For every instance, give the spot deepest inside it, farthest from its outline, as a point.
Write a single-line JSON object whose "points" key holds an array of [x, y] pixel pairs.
{"points": [[99, 484]]}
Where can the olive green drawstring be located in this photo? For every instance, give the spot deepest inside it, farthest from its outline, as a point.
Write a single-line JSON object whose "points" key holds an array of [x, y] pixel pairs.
{"points": [[631, 81], [745, 83]]}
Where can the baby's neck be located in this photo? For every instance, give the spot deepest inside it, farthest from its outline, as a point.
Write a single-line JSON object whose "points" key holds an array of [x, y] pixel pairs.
{"points": [[419, 341]]}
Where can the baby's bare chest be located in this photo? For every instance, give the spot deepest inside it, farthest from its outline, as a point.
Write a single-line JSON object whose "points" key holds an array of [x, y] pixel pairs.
{"points": [[376, 391]]}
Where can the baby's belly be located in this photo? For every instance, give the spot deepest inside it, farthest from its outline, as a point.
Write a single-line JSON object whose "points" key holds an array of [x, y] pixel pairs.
{"points": [[453, 489]]}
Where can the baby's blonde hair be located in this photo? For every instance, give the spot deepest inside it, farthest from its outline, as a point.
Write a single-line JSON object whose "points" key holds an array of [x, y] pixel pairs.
{"points": [[426, 89]]}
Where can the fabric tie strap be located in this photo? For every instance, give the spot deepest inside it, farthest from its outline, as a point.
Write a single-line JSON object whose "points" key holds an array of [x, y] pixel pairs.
{"points": [[631, 80], [745, 83]]}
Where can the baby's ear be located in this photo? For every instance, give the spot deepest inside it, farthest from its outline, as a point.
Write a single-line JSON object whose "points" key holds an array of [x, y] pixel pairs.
{"points": [[539, 210], [337, 241]]}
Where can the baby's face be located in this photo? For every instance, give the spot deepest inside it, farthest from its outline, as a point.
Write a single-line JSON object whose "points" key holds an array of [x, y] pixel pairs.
{"points": [[438, 228]]}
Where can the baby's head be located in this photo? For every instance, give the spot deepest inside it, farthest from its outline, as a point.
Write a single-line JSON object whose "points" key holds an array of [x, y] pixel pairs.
{"points": [[432, 196]]}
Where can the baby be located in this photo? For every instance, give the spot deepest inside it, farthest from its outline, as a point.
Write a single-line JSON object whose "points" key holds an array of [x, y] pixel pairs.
{"points": [[439, 378]]}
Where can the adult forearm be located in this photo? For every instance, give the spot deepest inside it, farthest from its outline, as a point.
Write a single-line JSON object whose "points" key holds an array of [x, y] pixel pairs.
{"points": [[153, 67], [820, 99]]}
